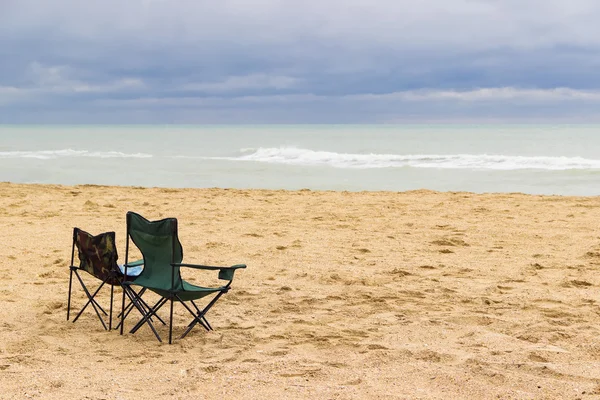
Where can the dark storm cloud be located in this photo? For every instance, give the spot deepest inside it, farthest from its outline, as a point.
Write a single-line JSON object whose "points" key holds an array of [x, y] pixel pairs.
{"points": [[282, 61]]}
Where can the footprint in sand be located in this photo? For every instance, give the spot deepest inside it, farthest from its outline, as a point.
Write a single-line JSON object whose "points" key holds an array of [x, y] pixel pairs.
{"points": [[450, 242]]}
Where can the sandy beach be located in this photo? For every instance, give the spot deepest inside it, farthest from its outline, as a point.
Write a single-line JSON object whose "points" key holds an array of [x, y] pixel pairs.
{"points": [[413, 295]]}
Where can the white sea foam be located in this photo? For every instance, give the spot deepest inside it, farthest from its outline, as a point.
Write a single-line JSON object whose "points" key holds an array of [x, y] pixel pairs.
{"points": [[66, 153], [535, 159], [306, 157]]}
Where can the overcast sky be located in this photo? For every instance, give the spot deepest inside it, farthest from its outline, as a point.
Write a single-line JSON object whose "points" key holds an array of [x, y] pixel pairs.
{"points": [[299, 61]]}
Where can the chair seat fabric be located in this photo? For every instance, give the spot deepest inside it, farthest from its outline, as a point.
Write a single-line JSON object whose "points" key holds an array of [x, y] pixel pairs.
{"points": [[186, 292]]}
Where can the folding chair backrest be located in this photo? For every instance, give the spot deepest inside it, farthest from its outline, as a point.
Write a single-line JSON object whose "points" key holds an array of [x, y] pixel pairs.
{"points": [[160, 246], [97, 254]]}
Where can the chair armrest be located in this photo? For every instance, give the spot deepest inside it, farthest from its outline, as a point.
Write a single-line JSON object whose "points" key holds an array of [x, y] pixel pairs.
{"points": [[134, 263], [132, 269], [225, 273]]}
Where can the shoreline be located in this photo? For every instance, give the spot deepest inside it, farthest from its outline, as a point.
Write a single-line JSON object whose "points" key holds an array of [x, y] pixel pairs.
{"points": [[282, 190], [462, 295]]}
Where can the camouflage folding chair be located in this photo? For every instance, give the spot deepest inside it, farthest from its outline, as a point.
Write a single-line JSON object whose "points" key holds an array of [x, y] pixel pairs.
{"points": [[98, 257]]}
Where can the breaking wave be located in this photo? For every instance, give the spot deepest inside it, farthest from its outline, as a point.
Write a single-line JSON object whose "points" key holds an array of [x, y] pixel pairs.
{"points": [[305, 157], [66, 153]]}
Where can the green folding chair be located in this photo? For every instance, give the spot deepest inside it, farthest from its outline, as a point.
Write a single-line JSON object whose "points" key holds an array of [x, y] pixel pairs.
{"points": [[162, 253], [98, 257]]}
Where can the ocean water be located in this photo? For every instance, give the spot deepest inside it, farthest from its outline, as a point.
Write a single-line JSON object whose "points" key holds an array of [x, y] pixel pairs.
{"points": [[535, 159]]}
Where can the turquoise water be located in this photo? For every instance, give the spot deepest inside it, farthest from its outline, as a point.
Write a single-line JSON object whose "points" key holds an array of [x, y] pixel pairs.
{"points": [[535, 159]]}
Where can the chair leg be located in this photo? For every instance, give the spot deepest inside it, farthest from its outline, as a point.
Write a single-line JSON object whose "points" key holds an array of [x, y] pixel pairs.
{"points": [[171, 322], [146, 315], [207, 324], [128, 309], [199, 316], [147, 307], [130, 306], [123, 289], [203, 321], [91, 301], [124, 313], [69, 298], [112, 291], [91, 297]]}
